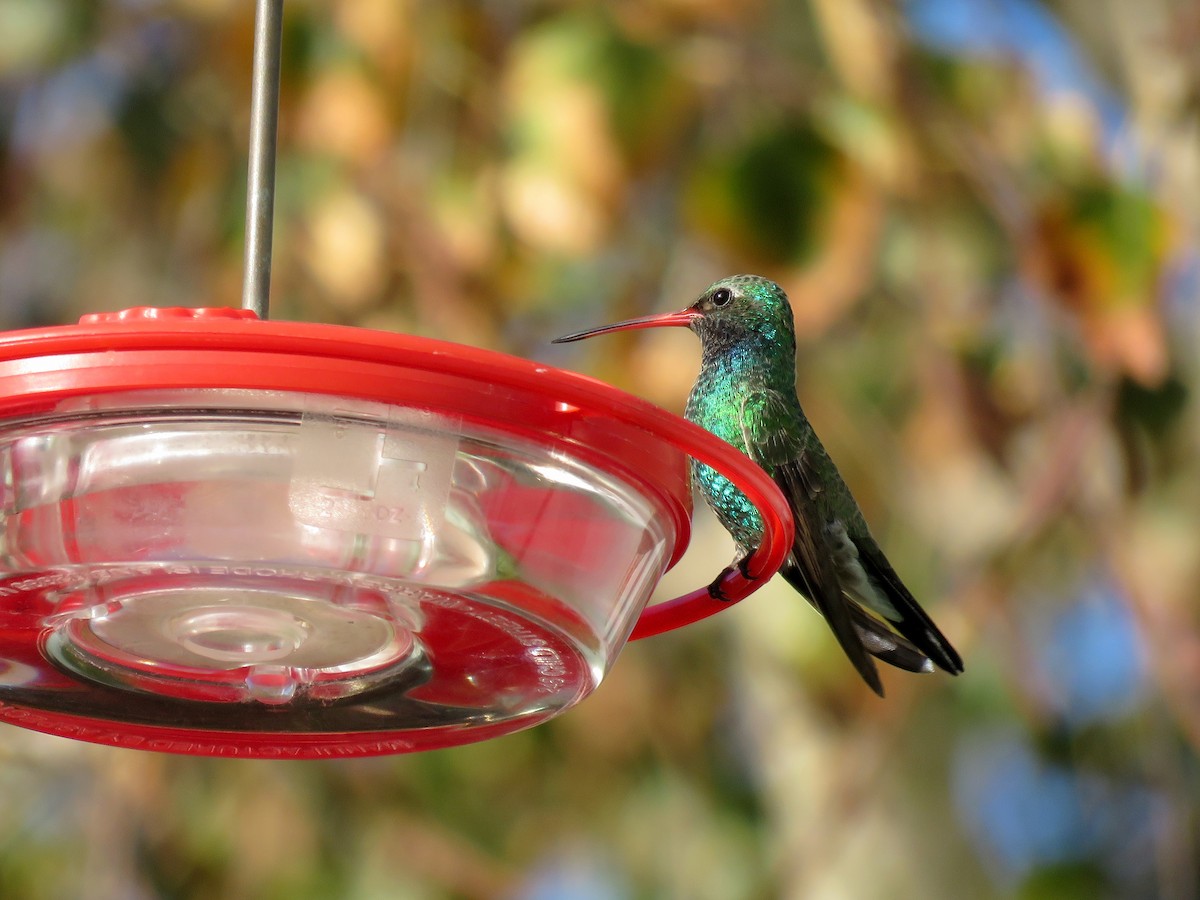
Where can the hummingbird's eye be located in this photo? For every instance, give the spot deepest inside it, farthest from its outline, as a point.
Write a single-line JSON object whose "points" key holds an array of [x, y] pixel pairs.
{"points": [[721, 297]]}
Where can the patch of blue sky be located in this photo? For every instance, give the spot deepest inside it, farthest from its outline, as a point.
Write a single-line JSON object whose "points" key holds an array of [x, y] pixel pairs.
{"points": [[79, 99], [1091, 658], [1026, 31], [69, 106], [1023, 812], [574, 873]]}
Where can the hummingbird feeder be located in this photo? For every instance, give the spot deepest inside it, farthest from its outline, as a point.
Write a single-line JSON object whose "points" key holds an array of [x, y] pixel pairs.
{"points": [[229, 536]]}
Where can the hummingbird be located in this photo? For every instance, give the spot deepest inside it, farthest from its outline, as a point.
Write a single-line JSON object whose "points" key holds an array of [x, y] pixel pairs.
{"points": [[745, 394]]}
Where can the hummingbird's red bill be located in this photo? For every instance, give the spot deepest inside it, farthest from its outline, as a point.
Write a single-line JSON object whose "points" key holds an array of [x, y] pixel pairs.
{"points": [[683, 318]]}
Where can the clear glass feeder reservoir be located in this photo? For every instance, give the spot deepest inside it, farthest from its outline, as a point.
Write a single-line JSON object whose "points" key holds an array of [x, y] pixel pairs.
{"points": [[232, 537]]}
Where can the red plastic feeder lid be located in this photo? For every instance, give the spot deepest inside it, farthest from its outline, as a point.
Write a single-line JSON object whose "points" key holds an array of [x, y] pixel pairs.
{"points": [[227, 536]]}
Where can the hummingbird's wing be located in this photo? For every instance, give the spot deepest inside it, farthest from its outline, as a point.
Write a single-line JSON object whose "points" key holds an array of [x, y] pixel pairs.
{"points": [[770, 442]]}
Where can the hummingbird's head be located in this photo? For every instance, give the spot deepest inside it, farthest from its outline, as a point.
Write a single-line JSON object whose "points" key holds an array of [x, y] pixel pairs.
{"points": [[742, 309], [735, 311]]}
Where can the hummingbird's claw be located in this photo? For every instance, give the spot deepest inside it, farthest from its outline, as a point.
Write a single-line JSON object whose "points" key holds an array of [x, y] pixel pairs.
{"points": [[716, 590]]}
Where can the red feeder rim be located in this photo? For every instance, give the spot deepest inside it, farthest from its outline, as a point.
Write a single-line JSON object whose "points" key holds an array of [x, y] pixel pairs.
{"points": [[151, 359]]}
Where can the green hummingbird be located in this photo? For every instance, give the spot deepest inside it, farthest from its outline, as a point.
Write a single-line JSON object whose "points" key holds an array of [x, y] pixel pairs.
{"points": [[745, 394]]}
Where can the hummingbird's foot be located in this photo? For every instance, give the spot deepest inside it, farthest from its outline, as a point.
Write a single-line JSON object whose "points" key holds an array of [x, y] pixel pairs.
{"points": [[716, 590]]}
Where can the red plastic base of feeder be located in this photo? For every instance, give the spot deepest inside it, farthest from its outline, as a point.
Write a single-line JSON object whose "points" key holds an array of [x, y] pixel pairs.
{"points": [[231, 537]]}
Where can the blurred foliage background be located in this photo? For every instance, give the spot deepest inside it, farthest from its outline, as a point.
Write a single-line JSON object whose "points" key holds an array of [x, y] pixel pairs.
{"points": [[985, 212]]}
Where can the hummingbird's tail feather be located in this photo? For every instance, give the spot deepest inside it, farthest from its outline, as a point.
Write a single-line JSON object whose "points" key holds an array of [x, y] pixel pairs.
{"points": [[883, 643], [912, 621], [838, 615]]}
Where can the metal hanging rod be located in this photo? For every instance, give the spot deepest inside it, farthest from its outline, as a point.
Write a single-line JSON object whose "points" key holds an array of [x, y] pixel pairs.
{"points": [[264, 124]]}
